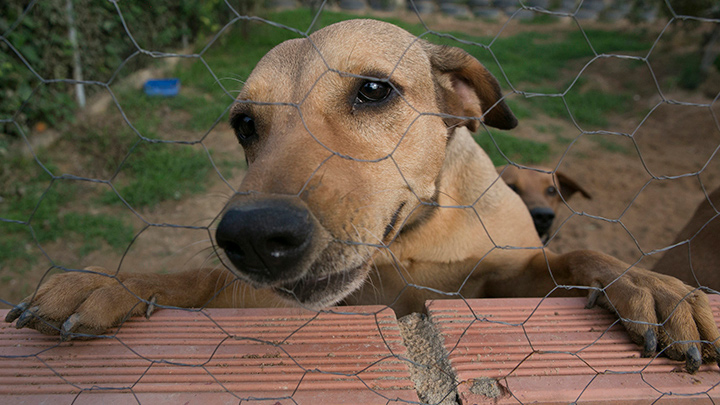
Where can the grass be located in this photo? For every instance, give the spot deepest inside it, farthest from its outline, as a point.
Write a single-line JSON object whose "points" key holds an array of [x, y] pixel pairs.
{"points": [[48, 210], [43, 209], [586, 105], [501, 146], [612, 144], [142, 110], [563, 140], [550, 129], [532, 57], [160, 172], [203, 113], [14, 246], [519, 108], [690, 76], [541, 19], [589, 108]]}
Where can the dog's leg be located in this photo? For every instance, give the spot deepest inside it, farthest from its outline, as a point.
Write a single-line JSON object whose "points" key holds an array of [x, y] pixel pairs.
{"points": [[658, 311], [92, 301]]}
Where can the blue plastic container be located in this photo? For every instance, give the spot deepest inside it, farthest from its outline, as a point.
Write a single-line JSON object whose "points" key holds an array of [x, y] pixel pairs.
{"points": [[162, 87]]}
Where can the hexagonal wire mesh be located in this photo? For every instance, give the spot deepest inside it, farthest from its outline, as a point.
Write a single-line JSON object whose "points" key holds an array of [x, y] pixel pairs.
{"points": [[285, 353]]}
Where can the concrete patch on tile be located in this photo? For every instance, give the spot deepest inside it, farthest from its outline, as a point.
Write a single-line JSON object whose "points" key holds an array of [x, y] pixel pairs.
{"points": [[430, 369], [487, 387]]}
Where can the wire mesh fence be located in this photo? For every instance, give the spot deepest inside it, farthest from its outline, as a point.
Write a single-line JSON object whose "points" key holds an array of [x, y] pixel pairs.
{"points": [[146, 186]]}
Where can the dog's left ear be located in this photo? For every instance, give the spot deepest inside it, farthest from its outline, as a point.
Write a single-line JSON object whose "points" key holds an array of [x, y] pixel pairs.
{"points": [[468, 89]]}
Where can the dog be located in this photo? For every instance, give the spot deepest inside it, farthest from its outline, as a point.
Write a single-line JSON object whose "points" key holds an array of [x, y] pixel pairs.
{"points": [[542, 191], [695, 255], [365, 186]]}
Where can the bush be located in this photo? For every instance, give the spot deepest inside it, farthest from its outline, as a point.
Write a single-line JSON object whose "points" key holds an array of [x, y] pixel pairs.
{"points": [[36, 48]]}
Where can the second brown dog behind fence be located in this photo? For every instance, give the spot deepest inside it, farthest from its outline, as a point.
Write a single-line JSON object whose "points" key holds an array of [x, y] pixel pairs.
{"points": [[363, 189], [543, 192]]}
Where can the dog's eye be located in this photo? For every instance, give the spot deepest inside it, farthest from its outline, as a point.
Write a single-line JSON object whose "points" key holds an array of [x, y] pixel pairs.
{"points": [[373, 92], [551, 191], [244, 127]]}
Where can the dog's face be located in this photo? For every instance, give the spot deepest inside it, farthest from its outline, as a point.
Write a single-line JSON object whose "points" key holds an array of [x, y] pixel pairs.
{"points": [[542, 192], [344, 135]]}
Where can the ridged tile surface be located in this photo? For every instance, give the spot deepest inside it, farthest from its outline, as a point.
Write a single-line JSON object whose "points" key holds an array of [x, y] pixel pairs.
{"points": [[549, 351], [556, 351], [215, 356]]}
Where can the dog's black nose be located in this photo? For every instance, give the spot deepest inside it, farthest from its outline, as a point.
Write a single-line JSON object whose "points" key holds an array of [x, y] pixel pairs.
{"points": [[265, 239], [543, 218]]}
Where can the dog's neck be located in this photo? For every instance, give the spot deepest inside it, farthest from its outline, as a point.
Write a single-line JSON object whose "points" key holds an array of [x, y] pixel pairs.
{"points": [[467, 174]]}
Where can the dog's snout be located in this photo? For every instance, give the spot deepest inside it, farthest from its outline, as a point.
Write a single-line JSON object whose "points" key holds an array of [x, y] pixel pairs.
{"points": [[543, 218], [265, 241]]}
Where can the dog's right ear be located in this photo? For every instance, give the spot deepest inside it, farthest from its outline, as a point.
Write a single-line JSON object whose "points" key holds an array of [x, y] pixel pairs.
{"points": [[467, 89], [569, 186]]}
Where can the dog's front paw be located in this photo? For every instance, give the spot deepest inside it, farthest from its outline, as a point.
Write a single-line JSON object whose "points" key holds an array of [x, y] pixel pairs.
{"points": [[81, 304], [662, 314]]}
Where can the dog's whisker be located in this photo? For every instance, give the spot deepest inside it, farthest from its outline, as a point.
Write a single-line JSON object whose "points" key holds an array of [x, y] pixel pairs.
{"points": [[376, 290], [361, 241], [218, 268], [231, 79], [361, 245], [237, 292], [237, 288], [227, 280], [378, 240], [209, 252], [198, 242]]}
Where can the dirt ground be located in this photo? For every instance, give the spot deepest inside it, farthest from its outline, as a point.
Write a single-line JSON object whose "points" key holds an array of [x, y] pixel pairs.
{"points": [[629, 216], [675, 141]]}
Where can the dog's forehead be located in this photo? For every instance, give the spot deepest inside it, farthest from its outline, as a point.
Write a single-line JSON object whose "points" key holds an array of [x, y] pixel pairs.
{"points": [[348, 43], [355, 47]]}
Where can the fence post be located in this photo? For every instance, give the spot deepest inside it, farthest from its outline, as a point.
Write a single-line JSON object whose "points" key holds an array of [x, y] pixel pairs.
{"points": [[77, 68]]}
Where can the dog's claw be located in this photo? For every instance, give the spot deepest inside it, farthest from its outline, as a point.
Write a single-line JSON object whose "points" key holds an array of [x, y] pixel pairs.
{"points": [[151, 307], [592, 298], [650, 344], [693, 360], [68, 327], [16, 311], [26, 317]]}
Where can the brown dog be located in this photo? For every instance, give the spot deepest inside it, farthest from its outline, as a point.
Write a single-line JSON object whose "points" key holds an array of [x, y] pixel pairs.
{"points": [[365, 186], [695, 258], [542, 191]]}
